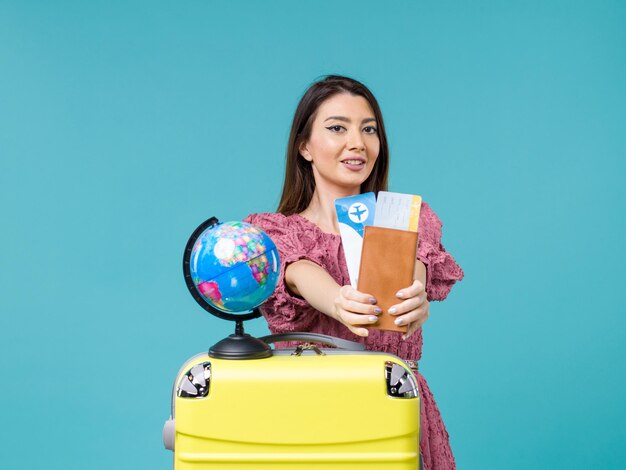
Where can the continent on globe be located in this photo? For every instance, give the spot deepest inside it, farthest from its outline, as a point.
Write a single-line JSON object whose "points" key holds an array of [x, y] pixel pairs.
{"points": [[238, 242], [260, 269], [211, 291], [234, 266]]}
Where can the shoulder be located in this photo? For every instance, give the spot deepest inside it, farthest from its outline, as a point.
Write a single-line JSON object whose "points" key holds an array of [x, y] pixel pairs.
{"points": [[266, 218], [294, 236], [428, 215], [278, 226], [429, 223], [443, 270], [274, 221]]}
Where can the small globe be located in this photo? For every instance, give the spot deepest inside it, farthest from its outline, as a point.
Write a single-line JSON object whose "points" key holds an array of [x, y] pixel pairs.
{"points": [[234, 266]]}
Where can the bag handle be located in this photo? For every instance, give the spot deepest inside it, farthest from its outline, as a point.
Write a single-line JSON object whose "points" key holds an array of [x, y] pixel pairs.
{"points": [[315, 337]]}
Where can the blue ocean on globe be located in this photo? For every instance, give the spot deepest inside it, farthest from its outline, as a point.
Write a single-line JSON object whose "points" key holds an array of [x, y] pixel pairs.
{"points": [[234, 266]]}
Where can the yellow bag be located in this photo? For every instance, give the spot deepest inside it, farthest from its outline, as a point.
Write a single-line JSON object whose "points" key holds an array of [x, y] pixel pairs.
{"points": [[302, 408]]}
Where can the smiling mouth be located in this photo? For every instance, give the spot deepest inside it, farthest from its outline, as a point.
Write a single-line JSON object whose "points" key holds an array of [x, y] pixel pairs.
{"points": [[353, 162]]}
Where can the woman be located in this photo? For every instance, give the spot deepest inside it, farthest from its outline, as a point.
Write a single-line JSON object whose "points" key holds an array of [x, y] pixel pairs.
{"points": [[338, 148]]}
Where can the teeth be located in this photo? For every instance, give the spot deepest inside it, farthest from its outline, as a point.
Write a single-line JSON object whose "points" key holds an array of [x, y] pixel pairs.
{"points": [[354, 162]]}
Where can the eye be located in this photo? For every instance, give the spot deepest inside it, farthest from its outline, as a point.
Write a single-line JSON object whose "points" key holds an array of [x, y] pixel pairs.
{"points": [[336, 128], [370, 130]]}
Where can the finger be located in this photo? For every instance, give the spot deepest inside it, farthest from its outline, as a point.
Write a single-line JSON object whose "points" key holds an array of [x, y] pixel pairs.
{"points": [[351, 300], [413, 290], [411, 330], [419, 315], [358, 307], [344, 318], [351, 293], [350, 318], [408, 305], [359, 331]]}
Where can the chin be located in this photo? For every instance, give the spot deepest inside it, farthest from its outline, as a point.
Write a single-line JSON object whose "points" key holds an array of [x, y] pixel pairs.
{"points": [[353, 185]]}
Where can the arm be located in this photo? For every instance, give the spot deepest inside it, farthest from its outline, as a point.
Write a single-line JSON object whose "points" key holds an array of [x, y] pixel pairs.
{"points": [[343, 303]]}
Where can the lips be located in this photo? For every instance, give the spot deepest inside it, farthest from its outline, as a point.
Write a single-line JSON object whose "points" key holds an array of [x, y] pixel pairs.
{"points": [[354, 160], [354, 163]]}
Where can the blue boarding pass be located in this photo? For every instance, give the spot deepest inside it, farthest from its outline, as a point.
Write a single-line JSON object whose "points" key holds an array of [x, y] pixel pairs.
{"points": [[354, 213]]}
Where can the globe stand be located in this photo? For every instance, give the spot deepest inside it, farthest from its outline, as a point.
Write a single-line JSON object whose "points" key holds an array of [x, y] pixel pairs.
{"points": [[236, 346], [240, 346]]}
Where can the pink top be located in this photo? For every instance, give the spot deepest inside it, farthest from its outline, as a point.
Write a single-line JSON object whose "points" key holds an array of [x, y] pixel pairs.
{"points": [[297, 238]]}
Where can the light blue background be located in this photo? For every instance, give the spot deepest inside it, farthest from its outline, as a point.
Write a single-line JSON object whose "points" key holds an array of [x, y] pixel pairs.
{"points": [[123, 125]]}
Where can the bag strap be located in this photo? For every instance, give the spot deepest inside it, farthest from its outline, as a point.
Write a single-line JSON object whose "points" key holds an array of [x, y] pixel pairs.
{"points": [[315, 337]]}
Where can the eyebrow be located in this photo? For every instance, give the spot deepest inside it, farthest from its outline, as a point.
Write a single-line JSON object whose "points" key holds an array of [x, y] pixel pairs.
{"points": [[345, 119]]}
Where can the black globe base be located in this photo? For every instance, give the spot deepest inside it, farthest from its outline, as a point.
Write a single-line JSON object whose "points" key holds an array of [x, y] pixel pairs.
{"points": [[237, 346], [240, 346]]}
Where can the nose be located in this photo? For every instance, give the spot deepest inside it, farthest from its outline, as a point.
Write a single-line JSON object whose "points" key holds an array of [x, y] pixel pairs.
{"points": [[355, 140]]}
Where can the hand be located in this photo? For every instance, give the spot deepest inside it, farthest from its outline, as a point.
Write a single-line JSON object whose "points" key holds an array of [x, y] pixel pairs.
{"points": [[414, 310], [354, 308]]}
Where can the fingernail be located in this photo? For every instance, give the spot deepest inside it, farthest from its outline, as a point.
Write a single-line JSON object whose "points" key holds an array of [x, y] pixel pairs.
{"points": [[378, 310], [400, 295], [373, 319], [399, 321], [403, 336], [372, 300], [392, 310], [364, 333]]}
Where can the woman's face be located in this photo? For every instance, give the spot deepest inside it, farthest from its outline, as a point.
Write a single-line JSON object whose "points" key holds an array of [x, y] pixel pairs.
{"points": [[344, 144]]}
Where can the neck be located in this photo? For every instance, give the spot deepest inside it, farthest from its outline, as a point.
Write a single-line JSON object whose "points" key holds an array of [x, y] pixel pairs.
{"points": [[321, 209]]}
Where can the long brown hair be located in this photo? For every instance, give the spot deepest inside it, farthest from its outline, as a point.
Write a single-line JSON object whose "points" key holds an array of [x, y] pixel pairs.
{"points": [[299, 183]]}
